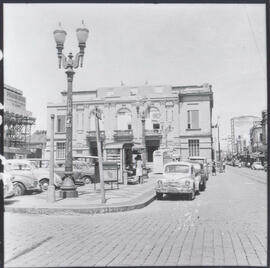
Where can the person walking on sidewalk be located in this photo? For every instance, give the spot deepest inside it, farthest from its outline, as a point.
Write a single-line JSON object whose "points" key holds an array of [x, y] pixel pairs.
{"points": [[214, 172], [139, 168]]}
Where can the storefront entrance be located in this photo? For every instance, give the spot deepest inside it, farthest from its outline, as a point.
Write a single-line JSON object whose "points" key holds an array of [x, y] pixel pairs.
{"points": [[93, 148], [151, 146]]}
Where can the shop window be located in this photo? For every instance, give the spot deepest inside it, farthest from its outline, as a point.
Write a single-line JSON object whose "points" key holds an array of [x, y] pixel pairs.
{"points": [[193, 119], [194, 147], [156, 126], [60, 150]]}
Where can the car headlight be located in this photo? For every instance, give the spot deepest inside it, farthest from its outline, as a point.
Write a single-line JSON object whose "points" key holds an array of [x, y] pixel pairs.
{"points": [[57, 178], [159, 183], [187, 183]]}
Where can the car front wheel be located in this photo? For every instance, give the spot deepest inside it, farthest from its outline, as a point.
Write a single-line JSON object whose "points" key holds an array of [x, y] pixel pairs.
{"points": [[159, 196], [87, 180], [19, 189], [44, 184]]}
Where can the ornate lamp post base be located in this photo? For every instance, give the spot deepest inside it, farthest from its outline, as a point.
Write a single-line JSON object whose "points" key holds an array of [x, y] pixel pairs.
{"points": [[68, 188]]}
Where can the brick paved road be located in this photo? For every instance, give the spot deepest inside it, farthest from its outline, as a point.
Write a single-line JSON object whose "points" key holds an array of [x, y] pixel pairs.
{"points": [[225, 225]]}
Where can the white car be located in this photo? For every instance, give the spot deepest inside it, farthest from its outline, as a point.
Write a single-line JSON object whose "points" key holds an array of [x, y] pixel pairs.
{"points": [[178, 178], [8, 185], [18, 167], [257, 166]]}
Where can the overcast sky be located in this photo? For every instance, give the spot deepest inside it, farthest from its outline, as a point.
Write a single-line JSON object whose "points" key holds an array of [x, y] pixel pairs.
{"points": [[174, 44]]}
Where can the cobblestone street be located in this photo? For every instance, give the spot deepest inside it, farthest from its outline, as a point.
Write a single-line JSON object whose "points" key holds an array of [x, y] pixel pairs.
{"points": [[225, 225]]}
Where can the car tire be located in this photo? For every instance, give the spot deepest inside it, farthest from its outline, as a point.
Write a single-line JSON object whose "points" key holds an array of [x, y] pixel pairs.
{"points": [[159, 196], [44, 184], [87, 180], [19, 189]]}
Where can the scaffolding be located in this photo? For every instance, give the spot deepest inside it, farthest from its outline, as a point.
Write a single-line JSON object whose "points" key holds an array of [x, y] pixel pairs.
{"points": [[17, 130]]}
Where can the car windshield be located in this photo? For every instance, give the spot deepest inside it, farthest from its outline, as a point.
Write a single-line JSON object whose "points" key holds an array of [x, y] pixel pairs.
{"points": [[177, 169], [18, 166]]}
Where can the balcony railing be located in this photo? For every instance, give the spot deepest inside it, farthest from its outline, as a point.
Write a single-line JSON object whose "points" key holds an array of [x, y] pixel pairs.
{"points": [[123, 134], [153, 132], [92, 135]]}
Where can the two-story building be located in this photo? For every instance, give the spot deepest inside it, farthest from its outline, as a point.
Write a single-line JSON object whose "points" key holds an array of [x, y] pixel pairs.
{"points": [[176, 117]]}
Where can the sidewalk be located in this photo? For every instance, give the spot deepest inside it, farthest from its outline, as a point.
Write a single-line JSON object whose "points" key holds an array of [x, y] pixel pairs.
{"points": [[127, 197]]}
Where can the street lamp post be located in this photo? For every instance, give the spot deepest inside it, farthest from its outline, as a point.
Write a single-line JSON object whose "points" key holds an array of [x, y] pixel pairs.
{"points": [[143, 139], [68, 188], [143, 113]]}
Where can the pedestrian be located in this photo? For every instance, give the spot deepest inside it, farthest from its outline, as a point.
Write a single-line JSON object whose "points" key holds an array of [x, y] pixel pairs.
{"points": [[139, 168], [224, 166], [214, 173]]}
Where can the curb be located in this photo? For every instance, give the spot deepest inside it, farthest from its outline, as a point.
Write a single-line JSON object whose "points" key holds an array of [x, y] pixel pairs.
{"points": [[90, 211]]}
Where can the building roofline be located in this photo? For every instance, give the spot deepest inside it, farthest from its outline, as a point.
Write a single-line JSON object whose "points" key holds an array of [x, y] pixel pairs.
{"points": [[15, 90], [64, 92]]}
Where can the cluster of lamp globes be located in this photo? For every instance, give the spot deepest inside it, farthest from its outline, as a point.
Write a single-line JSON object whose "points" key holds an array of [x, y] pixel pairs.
{"points": [[60, 36]]}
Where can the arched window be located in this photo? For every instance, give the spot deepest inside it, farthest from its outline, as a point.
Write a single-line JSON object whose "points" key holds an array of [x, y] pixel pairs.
{"points": [[124, 119], [153, 119]]}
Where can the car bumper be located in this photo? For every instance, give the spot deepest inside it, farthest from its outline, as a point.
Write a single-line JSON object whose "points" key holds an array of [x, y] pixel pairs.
{"points": [[79, 182], [32, 188], [132, 179], [174, 190]]}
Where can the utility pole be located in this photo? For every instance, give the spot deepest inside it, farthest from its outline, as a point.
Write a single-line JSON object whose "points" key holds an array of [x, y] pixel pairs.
{"points": [[51, 189], [100, 164]]}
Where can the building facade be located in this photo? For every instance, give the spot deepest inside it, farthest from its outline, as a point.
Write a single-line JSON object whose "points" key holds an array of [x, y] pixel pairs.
{"points": [[37, 144], [175, 117], [240, 128]]}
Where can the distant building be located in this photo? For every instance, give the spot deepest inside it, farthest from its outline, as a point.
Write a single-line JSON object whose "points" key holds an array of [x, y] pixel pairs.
{"points": [[37, 144], [17, 123], [178, 117], [256, 141], [264, 126], [240, 127]]}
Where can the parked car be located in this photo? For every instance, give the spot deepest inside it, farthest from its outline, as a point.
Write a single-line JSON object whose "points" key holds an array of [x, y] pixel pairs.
{"points": [[87, 171], [21, 167], [24, 181], [257, 166], [78, 179], [202, 160], [178, 178], [83, 172], [7, 184]]}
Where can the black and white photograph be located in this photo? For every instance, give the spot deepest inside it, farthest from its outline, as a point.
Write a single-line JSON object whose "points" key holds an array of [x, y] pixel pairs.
{"points": [[134, 134]]}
